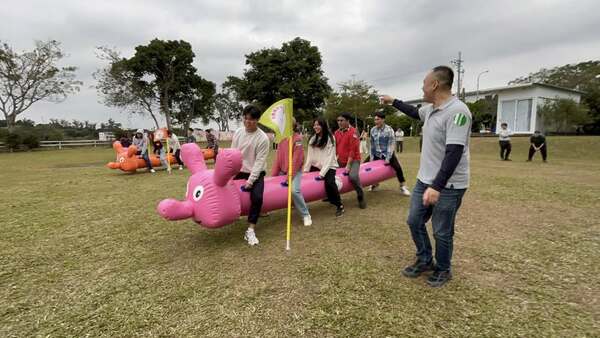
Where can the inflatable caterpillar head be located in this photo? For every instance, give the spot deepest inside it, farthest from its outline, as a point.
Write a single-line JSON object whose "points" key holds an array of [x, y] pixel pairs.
{"points": [[126, 158], [211, 199]]}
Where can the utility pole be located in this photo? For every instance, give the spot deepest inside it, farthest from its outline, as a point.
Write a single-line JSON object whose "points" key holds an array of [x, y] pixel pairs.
{"points": [[459, 71]]}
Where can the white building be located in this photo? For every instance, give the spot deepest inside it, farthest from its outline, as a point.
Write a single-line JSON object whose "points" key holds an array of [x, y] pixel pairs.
{"points": [[518, 104]]}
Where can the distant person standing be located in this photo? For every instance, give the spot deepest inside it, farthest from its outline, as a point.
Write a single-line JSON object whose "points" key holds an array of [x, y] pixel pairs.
{"points": [[364, 146], [504, 138], [538, 143], [191, 138], [399, 139]]}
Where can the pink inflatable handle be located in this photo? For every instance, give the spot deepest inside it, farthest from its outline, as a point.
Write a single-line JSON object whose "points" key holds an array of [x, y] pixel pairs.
{"points": [[213, 199]]}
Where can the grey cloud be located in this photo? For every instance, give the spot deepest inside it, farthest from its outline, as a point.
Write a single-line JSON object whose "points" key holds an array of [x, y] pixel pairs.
{"points": [[389, 43]]}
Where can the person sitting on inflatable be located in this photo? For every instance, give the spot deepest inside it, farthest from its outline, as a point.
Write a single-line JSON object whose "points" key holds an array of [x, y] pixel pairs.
{"points": [[140, 141], [321, 157], [254, 146]]}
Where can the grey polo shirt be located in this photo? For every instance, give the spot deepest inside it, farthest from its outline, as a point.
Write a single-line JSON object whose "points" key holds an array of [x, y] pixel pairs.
{"points": [[448, 124]]}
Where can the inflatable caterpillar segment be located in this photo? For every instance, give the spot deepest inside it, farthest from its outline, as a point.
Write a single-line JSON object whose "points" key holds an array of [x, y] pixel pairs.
{"points": [[213, 199], [128, 161]]}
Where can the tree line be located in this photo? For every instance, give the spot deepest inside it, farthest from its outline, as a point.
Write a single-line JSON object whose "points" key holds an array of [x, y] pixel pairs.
{"points": [[159, 80]]}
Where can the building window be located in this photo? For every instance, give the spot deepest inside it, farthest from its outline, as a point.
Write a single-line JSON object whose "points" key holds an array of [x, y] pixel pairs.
{"points": [[517, 114]]}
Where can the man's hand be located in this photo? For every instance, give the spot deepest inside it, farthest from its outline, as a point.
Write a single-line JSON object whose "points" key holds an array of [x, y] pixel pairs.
{"points": [[430, 197], [386, 99], [248, 186]]}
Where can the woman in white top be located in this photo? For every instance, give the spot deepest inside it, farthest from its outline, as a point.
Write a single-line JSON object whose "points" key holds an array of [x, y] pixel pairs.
{"points": [[175, 147], [321, 157]]}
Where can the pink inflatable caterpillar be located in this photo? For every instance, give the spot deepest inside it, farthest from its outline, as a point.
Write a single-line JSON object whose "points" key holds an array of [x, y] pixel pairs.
{"points": [[213, 199]]}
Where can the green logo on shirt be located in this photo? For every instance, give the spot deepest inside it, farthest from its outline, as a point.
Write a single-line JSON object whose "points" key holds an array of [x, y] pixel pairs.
{"points": [[460, 119]]}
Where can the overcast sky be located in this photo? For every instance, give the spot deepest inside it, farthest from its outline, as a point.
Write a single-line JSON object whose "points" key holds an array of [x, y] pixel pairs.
{"points": [[390, 44]]}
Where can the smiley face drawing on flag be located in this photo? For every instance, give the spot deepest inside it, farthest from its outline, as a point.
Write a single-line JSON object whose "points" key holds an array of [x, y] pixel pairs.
{"points": [[278, 117]]}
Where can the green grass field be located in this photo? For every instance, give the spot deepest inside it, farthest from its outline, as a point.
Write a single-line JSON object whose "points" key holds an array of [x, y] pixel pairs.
{"points": [[83, 253]]}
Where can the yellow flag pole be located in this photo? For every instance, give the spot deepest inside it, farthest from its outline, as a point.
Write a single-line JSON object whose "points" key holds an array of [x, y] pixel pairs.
{"points": [[289, 204]]}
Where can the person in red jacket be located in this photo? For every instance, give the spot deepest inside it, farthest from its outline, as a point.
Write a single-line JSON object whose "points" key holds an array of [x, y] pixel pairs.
{"points": [[281, 167], [347, 146]]}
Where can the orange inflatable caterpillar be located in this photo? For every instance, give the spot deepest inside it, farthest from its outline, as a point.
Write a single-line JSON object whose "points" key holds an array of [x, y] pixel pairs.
{"points": [[128, 161]]}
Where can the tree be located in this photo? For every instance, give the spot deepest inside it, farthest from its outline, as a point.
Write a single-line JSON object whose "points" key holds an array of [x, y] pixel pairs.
{"points": [[195, 100], [563, 115], [355, 97], [154, 75], [227, 107], [31, 76], [483, 111], [583, 76], [293, 71], [119, 88], [111, 125], [163, 66]]}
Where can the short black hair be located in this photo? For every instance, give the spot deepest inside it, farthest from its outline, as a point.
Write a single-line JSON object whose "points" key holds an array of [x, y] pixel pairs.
{"points": [[445, 75], [346, 116], [380, 114], [252, 111], [191, 129], [503, 124]]}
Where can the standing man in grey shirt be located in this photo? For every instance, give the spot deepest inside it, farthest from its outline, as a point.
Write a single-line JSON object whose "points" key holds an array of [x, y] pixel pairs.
{"points": [[443, 174], [254, 145]]}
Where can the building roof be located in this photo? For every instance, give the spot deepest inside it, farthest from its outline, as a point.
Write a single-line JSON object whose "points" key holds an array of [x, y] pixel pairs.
{"points": [[483, 92]]}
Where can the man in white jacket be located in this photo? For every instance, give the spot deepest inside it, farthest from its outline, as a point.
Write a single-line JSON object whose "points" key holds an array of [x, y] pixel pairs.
{"points": [[254, 145]]}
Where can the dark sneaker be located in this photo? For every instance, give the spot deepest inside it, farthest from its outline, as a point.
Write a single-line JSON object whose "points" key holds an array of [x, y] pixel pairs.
{"points": [[415, 270], [439, 278], [339, 211], [362, 204]]}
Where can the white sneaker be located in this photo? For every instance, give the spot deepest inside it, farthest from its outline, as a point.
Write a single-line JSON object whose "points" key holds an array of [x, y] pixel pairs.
{"points": [[180, 167], [404, 191], [152, 170], [250, 236], [307, 220], [373, 187]]}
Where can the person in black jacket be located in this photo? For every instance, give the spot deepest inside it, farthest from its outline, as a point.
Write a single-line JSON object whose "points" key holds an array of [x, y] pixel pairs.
{"points": [[538, 143]]}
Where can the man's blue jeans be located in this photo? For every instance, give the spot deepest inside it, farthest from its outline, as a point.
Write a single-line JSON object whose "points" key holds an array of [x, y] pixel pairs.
{"points": [[442, 215]]}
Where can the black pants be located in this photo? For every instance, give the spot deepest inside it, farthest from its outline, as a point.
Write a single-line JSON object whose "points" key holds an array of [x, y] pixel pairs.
{"points": [[505, 148], [146, 159], [399, 145], [542, 150], [177, 156], [395, 164], [331, 189], [256, 195]]}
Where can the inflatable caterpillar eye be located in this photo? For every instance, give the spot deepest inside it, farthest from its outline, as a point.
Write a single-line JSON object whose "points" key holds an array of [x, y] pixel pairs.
{"points": [[198, 192], [122, 159]]}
